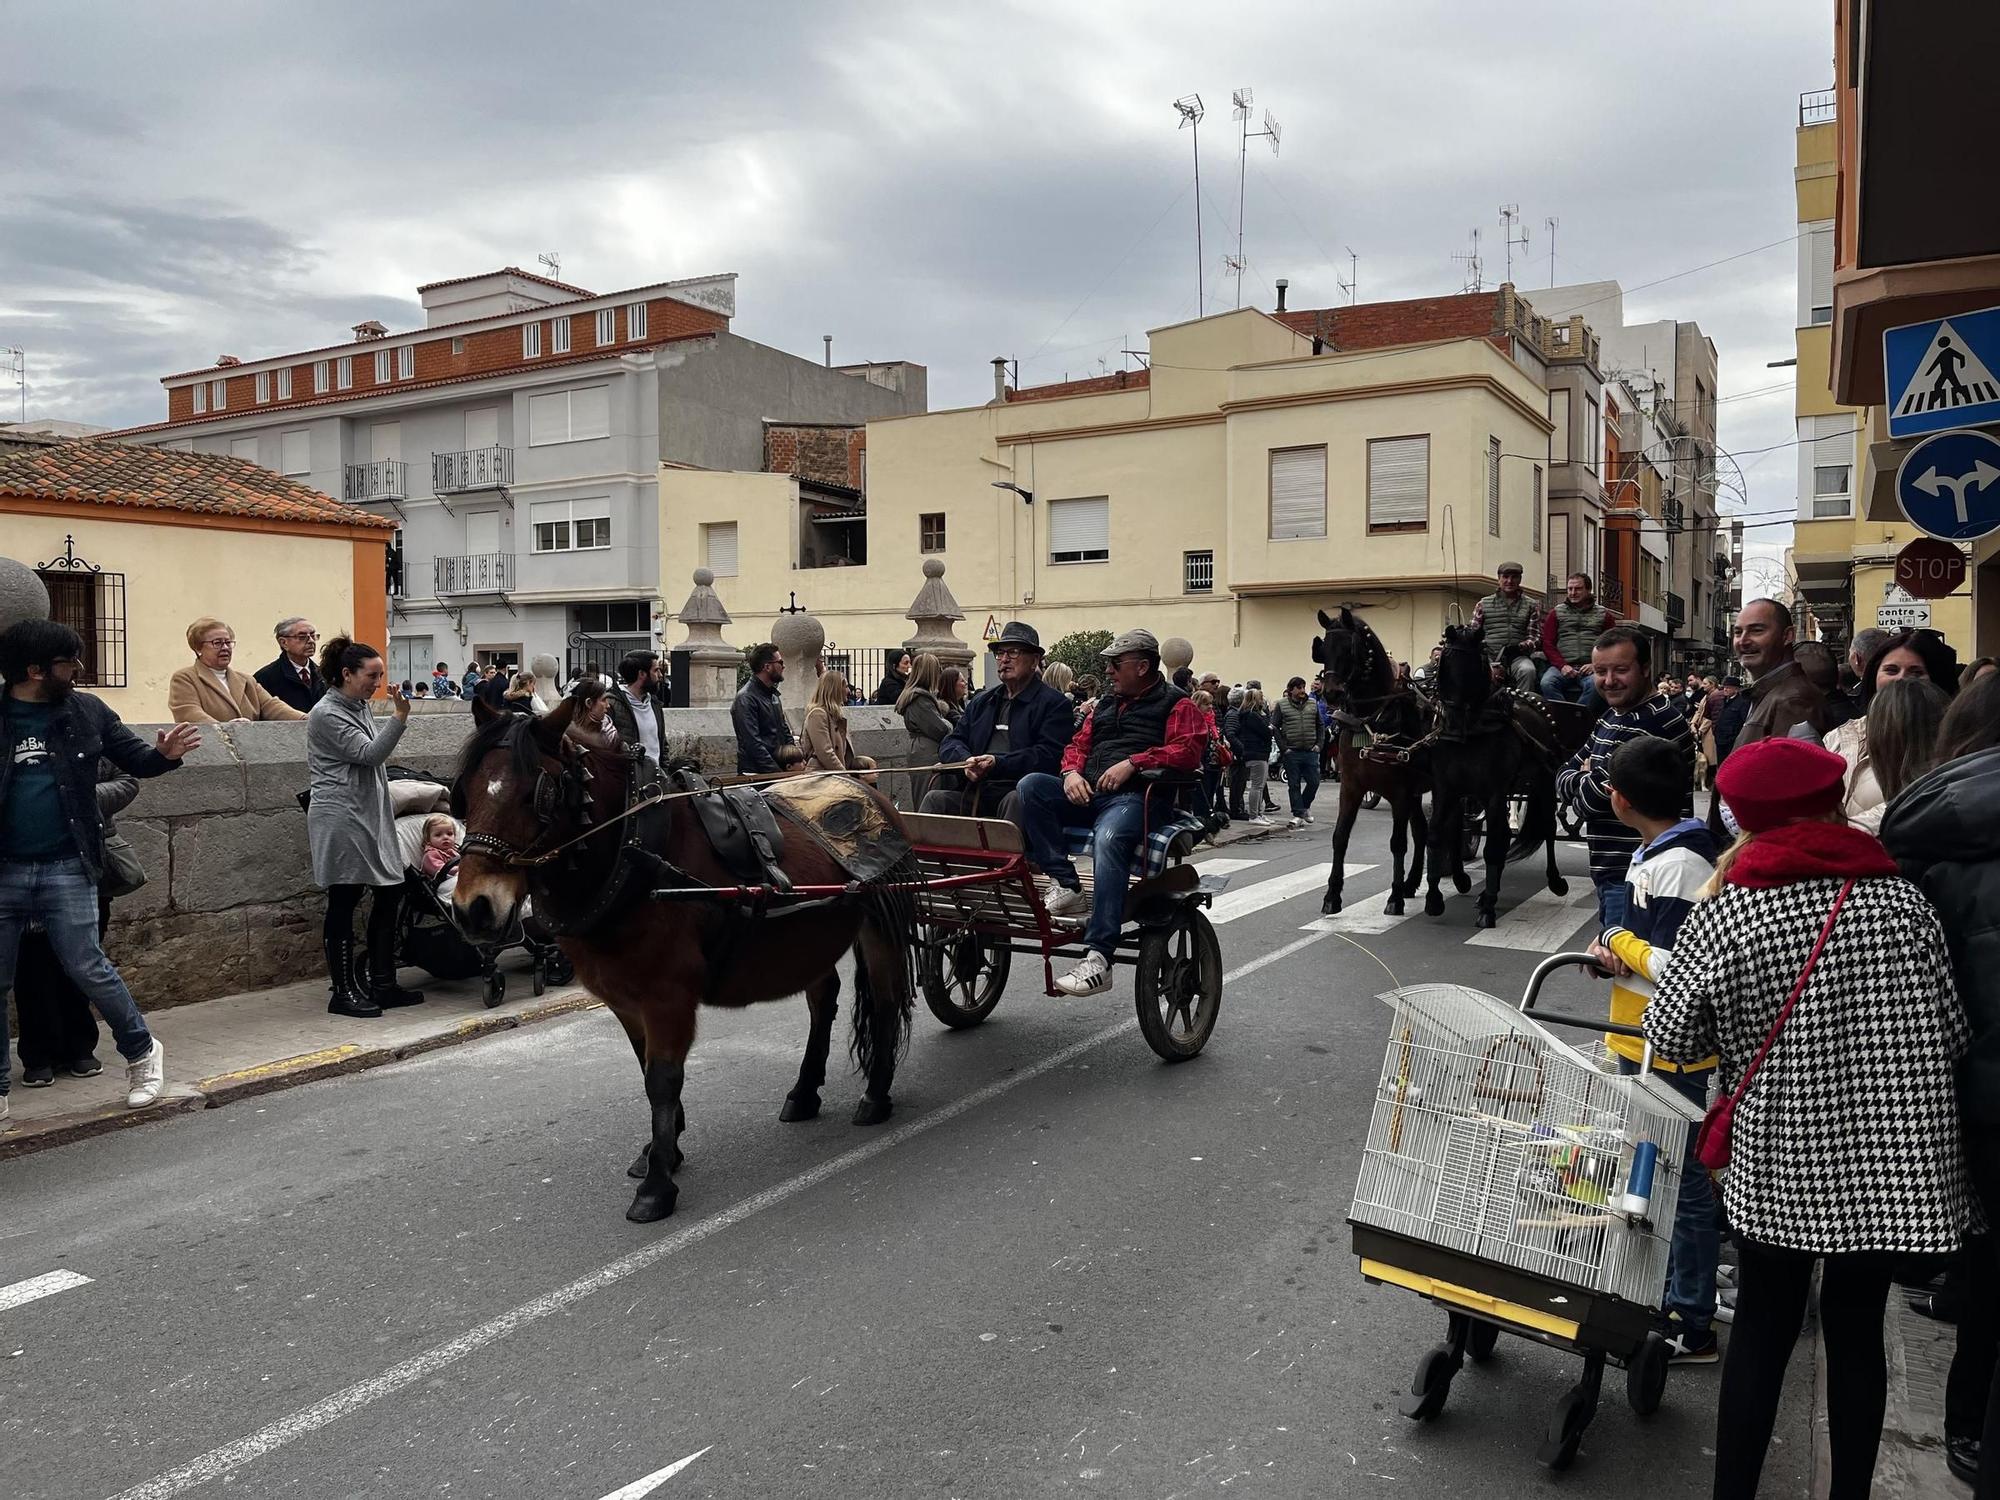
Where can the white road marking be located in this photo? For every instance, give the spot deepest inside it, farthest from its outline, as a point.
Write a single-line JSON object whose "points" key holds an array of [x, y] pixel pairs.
{"points": [[638, 1489], [1266, 893], [37, 1287], [230, 1457], [1369, 919], [1539, 924], [1226, 866]]}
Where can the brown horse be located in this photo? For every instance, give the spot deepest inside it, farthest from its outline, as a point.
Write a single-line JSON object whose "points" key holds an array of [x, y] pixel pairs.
{"points": [[529, 789]]}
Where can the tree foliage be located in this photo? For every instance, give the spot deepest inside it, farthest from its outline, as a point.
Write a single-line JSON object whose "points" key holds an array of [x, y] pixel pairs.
{"points": [[1079, 652]]}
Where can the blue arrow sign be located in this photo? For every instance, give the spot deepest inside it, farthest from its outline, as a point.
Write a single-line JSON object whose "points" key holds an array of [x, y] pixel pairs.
{"points": [[1949, 485], [1940, 375]]}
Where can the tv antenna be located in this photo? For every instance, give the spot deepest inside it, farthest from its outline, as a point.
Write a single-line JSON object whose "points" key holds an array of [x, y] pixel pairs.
{"points": [[1241, 101], [1551, 225], [1353, 276], [552, 260], [1470, 260], [15, 363], [1510, 215], [1191, 112]]}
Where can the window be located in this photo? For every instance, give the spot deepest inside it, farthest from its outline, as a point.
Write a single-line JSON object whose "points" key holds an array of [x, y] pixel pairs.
{"points": [[635, 321], [1298, 492], [607, 326], [616, 617], [381, 366], [1080, 530], [1493, 486], [718, 547], [295, 452], [1593, 434], [1399, 483], [1198, 572], [458, 344], [930, 531], [531, 341], [93, 605], [406, 362], [285, 384], [343, 372], [1559, 414], [571, 525], [1832, 448], [569, 416], [1816, 284], [200, 398], [218, 394], [1535, 515], [263, 386], [559, 335], [245, 448], [319, 377]]}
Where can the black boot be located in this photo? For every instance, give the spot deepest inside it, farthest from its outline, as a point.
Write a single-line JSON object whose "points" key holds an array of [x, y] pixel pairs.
{"points": [[346, 999], [382, 987]]}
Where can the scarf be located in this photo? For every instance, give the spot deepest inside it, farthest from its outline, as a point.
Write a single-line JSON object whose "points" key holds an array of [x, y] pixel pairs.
{"points": [[1808, 851]]}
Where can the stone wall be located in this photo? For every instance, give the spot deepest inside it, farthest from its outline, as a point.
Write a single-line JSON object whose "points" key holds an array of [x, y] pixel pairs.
{"points": [[229, 903]]}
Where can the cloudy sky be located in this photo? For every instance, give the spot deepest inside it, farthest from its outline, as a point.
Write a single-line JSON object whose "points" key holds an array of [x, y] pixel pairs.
{"points": [[936, 182]]}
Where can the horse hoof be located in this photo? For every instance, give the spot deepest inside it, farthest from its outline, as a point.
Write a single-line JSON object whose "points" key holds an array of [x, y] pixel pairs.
{"points": [[1394, 908], [651, 1207], [796, 1109], [1434, 905], [1559, 886], [642, 1163], [1486, 919], [872, 1111], [1329, 906], [1462, 881]]}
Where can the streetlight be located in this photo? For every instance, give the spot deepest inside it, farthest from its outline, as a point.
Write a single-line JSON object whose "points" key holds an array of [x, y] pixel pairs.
{"points": [[1027, 496]]}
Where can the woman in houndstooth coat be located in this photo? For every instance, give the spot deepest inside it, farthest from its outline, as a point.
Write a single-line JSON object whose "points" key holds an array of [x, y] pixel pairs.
{"points": [[1846, 1146]]}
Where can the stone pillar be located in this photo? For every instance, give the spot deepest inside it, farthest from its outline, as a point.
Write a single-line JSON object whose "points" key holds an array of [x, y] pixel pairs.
{"points": [[933, 612], [802, 639], [22, 596], [712, 661]]}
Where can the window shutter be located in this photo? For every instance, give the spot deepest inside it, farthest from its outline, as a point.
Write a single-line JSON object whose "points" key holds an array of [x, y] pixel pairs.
{"points": [[1558, 551], [548, 419], [590, 412], [1493, 486], [243, 448], [1820, 254], [1535, 516], [1559, 414], [1080, 528], [722, 548], [1298, 492], [1399, 481], [295, 452]]}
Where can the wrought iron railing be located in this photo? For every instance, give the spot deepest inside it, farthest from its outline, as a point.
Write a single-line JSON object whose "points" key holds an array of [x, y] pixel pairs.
{"points": [[474, 573], [1676, 609], [1611, 591], [383, 479], [469, 469]]}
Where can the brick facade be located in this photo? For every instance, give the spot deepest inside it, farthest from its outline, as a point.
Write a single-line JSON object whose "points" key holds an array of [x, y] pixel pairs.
{"points": [[822, 453]]}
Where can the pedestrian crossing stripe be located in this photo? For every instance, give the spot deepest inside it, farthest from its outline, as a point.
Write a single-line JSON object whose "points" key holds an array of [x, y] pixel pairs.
{"points": [[1949, 374]]}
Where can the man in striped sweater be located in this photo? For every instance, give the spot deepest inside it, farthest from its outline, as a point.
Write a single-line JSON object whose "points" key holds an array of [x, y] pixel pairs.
{"points": [[1619, 661]]}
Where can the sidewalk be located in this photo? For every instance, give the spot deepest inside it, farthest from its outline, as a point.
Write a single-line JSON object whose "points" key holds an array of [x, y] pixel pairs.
{"points": [[1911, 1463]]}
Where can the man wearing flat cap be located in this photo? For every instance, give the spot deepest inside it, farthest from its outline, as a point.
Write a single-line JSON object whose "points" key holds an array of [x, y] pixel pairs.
{"points": [[1016, 727], [1144, 723]]}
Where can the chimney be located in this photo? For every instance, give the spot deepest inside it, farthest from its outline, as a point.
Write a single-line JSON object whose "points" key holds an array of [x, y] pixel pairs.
{"points": [[224, 361], [827, 339], [1000, 379], [1283, 287], [370, 330]]}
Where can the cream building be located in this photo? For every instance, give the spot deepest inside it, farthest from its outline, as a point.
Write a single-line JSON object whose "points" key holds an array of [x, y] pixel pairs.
{"points": [[1238, 486]]}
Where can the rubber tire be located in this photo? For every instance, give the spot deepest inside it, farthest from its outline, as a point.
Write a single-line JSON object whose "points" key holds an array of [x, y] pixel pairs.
{"points": [[1646, 1375], [1566, 1428], [1431, 1385], [496, 989], [1173, 959], [947, 997], [540, 981], [1482, 1341]]}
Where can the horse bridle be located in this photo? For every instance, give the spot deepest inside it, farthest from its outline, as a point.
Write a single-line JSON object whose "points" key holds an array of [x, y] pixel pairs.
{"points": [[565, 790]]}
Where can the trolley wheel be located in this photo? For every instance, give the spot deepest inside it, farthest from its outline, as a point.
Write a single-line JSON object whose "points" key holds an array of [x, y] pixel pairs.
{"points": [[539, 979], [1646, 1375], [1431, 1384], [1179, 985], [1565, 1434], [496, 988], [963, 976], [558, 969], [1482, 1341]]}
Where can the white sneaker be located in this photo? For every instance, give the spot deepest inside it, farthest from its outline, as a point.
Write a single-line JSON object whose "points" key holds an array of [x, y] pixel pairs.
{"points": [[1091, 977], [1296, 823], [1067, 901], [1261, 821], [146, 1076], [1725, 1305], [3, 1109], [1309, 816]]}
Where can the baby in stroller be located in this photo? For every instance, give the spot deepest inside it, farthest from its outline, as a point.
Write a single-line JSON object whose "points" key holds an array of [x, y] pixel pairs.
{"points": [[437, 862], [429, 844]]}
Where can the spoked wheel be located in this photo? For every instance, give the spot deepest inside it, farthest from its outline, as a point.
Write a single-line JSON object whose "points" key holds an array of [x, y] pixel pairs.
{"points": [[1431, 1384], [1482, 1341], [1646, 1375], [1179, 987], [963, 976]]}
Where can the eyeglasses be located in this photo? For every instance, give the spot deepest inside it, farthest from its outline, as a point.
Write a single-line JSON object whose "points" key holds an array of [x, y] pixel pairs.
{"points": [[301, 635], [218, 642]]}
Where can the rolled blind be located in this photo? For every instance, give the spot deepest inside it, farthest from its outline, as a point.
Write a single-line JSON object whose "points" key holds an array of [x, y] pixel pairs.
{"points": [[1558, 549], [1399, 481], [1493, 486], [1078, 528], [722, 548], [295, 453], [1820, 254], [1535, 516], [590, 412], [548, 419], [1298, 492]]}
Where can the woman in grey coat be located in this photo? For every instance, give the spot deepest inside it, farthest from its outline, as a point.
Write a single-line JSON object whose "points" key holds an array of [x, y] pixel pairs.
{"points": [[351, 828], [928, 720]]}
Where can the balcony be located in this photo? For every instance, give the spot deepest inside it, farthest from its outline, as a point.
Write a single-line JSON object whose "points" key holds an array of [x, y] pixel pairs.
{"points": [[473, 573], [1816, 107], [1611, 591], [384, 479], [1677, 610], [470, 469]]}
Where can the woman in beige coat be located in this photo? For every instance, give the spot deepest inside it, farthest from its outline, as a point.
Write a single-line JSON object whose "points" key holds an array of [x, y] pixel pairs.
{"points": [[210, 690], [825, 738]]}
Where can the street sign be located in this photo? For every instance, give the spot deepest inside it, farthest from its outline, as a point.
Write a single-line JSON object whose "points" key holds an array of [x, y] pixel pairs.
{"points": [[1939, 374], [992, 631], [1901, 610], [1930, 569], [1949, 485]]}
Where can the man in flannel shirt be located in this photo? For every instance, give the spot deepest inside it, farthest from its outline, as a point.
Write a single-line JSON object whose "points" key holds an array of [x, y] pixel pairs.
{"points": [[1620, 664]]}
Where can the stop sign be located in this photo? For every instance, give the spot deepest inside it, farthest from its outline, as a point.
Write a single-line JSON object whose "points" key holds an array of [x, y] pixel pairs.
{"points": [[1929, 568]]}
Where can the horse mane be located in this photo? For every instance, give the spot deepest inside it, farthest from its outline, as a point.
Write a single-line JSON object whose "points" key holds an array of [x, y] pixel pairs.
{"points": [[511, 731]]}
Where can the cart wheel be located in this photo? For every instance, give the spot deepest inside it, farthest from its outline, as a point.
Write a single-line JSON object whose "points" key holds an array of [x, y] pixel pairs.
{"points": [[1565, 1434], [1179, 986], [963, 976], [540, 980], [1431, 1384], [496, 988], [1646, 1375], [1480, 1344], [558, 969]]}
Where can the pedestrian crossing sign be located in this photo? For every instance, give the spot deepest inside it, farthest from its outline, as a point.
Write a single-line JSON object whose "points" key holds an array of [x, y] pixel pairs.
{"points": [[1939, 375]]}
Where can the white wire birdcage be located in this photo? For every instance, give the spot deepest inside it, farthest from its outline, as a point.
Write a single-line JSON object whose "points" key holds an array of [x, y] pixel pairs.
{"points": [[1492, 1138]]}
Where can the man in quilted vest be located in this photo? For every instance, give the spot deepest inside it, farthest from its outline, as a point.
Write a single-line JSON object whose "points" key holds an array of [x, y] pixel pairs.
{"points": [[1509, 619], [1568, 633]]}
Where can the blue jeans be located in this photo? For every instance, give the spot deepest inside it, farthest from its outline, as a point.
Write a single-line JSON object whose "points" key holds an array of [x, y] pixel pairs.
{"points": [[1301, 779], [1119, 821], [1697, 1242], [1581, 688], [60, 894], [1614, 897]]}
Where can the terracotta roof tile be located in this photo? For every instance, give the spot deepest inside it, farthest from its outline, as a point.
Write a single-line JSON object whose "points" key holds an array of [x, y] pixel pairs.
{"points": [[94, 471], [561, 286]]}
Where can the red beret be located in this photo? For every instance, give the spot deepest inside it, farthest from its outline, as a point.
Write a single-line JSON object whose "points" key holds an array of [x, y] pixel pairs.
{"points": [[1774, 782]]}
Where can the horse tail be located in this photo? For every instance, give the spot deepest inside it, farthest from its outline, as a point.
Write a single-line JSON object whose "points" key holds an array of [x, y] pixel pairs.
{"points": [[885, 959]]}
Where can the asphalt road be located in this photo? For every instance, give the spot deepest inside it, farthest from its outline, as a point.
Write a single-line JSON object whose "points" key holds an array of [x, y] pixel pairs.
{"points": [[1062, 1266]]}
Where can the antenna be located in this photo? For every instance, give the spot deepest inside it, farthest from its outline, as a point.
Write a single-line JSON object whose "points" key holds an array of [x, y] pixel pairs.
{"points": [[1470, 260], [1510, 214], [1241, 100], [1353, 276], [15, 363], [1191, 113], [552, 259], [1551, 224]]}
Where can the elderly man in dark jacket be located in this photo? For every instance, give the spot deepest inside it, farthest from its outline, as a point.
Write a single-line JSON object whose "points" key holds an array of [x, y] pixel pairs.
{"points": [[293, 679], [52, 835], [1018, 726]]}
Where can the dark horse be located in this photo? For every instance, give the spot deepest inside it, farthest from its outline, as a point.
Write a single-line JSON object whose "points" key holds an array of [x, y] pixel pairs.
{"points": [[1494, 741], [527, 785], [1361, 688]]}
